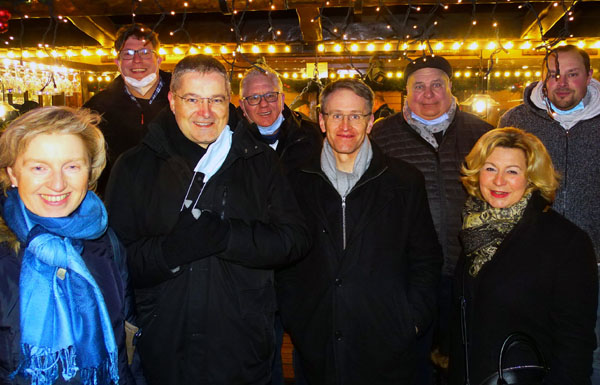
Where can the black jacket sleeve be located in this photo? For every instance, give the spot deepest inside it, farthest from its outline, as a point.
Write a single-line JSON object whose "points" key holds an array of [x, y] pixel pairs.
{"points": [[425, 259], [573, 314]]}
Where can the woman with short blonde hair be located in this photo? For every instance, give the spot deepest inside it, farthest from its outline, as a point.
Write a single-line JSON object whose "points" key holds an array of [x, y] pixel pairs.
{"points": [[524, 267], [63, 299]]}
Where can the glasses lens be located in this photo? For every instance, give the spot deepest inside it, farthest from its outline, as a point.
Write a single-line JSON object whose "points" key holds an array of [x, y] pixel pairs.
{"points": [[145, 52], [271, 97], [127, 54], [253, 100]]}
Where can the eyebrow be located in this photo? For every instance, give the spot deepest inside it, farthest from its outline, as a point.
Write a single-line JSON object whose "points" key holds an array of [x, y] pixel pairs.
{"points": [[193, 95], [512, 165], [34, 160]]}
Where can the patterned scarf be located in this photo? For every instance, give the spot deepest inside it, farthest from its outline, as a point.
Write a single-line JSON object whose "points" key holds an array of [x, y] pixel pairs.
{"points": [[485, 227], [426, 131], [64, 321]]}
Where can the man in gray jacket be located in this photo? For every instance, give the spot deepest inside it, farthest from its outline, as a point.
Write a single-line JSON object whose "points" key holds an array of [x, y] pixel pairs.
{"points": [[563, 110]]}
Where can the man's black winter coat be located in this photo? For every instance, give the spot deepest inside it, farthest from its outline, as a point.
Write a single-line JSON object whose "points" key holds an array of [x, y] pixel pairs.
{"points": [[210, 322], [352, 313], [299, 140], [124, 124]]}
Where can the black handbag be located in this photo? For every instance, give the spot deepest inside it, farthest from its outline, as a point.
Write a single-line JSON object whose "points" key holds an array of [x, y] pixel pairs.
{"points": [[518, 375]]}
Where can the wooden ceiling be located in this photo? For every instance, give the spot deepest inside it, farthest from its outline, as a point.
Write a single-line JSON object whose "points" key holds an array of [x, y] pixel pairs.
{"points": [[292, 33]]}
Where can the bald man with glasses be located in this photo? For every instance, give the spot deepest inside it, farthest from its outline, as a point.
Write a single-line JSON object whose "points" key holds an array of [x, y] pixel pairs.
{"points": [[262, 102]]}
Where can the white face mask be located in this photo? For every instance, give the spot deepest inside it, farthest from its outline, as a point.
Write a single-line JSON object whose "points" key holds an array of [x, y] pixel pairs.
{"points": [[141, 86]]}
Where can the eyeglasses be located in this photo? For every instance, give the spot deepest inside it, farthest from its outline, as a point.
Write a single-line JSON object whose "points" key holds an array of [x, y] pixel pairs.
{"points": [[144, 53], [214, 101], [339, 118], [270, 97]]}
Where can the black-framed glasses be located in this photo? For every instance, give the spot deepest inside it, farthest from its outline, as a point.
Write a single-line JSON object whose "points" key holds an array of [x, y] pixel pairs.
{"points": [[270, 97], [339, 118], [143, 53], [192, 101]]}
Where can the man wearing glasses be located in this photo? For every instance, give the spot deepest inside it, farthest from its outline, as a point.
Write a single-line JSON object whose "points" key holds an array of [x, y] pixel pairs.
{"points": [[135, 97], [262, 101], [294, 138], [206, 215], [356, 303]]}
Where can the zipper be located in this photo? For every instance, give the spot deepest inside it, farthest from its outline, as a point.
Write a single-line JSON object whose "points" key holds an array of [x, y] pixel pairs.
{"points": [[344, 222], [565, 179], [344, 240]]}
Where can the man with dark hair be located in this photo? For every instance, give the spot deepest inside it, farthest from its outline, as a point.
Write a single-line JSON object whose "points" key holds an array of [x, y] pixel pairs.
{"points": [[206, 215], [135, 97], [356, 304], [563, 110], [432, 134]]}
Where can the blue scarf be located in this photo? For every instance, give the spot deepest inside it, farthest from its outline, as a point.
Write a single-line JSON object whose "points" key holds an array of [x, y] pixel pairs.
{"points": [[63, 315]]}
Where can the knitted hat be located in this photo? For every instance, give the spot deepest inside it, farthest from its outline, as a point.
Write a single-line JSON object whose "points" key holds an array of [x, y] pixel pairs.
{"points": [[428, 62]]}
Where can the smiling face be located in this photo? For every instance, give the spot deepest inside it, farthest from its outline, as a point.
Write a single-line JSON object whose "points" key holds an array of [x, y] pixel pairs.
{"points": [[503, 179], [264, 113], [345, 137], [52, 174], [203, 122], [138, 68], [428, 93], [567, 91]]}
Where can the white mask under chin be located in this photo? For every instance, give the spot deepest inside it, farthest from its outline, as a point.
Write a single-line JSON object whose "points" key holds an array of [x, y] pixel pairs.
{"points": [[141, 86]]}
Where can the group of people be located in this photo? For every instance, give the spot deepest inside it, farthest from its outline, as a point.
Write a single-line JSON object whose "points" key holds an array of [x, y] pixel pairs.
{"points": [[380, 247]]}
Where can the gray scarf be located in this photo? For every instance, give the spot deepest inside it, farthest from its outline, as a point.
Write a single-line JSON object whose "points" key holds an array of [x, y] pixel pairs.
{"points": [[343, 181], [425, 131]]}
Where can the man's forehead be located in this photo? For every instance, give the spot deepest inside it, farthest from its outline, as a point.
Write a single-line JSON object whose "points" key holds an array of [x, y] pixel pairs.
{"points": [[566, 59], [134, 40], [426, 75], [212, 81]]}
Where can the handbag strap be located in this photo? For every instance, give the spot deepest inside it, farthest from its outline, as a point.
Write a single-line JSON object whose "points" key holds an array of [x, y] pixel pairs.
{"points": [[463, 326], [514, 339]]}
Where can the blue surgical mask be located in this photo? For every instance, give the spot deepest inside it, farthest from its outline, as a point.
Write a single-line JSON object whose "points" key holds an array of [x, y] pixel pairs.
{"points": [[270, 130], [426, 122], [578, 107]]}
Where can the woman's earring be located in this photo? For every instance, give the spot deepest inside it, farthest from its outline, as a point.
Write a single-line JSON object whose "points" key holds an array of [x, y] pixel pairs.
{"points": [[13, 186]]}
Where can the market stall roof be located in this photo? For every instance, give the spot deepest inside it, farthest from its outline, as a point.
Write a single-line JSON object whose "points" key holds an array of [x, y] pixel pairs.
{"points": [[294, 34]]}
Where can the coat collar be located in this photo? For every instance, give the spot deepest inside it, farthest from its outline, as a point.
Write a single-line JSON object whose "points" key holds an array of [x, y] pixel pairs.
{"points": [[377, 167]]}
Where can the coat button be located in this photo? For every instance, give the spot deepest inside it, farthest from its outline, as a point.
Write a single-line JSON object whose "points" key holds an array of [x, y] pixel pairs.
{"points": [[338, 282], [338, 335]]}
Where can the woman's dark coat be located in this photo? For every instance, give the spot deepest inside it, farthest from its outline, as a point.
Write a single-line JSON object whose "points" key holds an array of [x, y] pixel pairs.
{"points": [[352, 313], [541, 281], [211, 321], [108, 274]]}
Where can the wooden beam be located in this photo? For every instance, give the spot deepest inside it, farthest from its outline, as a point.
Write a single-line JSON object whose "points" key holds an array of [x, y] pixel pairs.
{"points": [[548, 15], [310, 24], [99, 28]]}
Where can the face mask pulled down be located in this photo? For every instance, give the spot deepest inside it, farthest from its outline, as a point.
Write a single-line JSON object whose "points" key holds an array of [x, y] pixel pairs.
{"points": [[141, 86]]}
